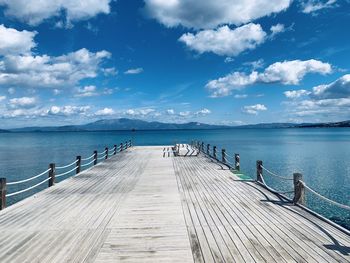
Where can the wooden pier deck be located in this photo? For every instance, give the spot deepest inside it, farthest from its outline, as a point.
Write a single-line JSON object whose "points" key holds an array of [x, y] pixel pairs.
{"points": [[146, 206]]}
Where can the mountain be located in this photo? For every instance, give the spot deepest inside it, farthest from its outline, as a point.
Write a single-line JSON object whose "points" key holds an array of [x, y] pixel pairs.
{"points": [[123, 124], [4, 131], [134, 124]]}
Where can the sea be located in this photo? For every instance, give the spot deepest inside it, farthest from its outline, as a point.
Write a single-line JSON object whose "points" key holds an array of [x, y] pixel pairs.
{"points": [[322, 155]]}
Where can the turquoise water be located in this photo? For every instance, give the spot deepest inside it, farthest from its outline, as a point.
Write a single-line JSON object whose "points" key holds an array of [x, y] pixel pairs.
{"points": [[321, 155]]}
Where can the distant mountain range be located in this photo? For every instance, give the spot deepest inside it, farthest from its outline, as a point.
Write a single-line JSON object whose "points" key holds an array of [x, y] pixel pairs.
{"points": [[134, 124]]}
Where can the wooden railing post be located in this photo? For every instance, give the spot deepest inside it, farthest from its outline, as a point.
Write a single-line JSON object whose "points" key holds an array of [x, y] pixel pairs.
{"points": [[259, 170], [115, 149], [77, 170], [214, 152], [299, 189], [52, 174], [106, 150], [208, 149], [95, 157], [130, 143], [2, 193], [126, 145], [121, 146], [223, 155], [202, 146], [237, 160]]}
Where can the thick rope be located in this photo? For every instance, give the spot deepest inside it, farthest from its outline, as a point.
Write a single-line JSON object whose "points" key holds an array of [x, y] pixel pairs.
{"points": [[325, 198], [276, 175], [66, 166], [102, 157], [59, 175], [83, 165], [29, 179], [29, 188], [87, 158]]}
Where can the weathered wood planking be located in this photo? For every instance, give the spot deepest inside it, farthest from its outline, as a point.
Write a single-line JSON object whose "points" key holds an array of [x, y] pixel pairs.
{"points": [[144, 205]]}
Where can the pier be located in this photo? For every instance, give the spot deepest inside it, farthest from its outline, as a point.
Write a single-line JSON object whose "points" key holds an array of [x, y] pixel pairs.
{"points": [[183, 203]]}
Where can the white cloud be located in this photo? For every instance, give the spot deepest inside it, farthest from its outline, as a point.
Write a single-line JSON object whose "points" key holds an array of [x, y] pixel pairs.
{"points": [[209, 14], [23, 102], [68, 110], [2, 98], [87, 91], [34, 12], [105, 112], [170, 111], [254, 109], [285, 73], [139, 112], [293, 94], [184, 113], [202, 112], [225, 41], [310, 6], [240, 96], [277, 29], [11, 90], [110, 71], [133, 71], [337, 89], [47, 71], [15, 42]]}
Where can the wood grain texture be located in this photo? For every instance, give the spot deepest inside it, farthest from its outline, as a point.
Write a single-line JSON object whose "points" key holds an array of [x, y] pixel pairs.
{"points": [[145, 205]]}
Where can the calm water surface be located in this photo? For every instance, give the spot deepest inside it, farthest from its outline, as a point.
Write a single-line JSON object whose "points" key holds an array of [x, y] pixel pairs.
{"points": [[321, 155]]}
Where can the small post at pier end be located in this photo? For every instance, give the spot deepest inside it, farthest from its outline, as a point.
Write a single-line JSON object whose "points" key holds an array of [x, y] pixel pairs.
{"points": [[126, 145], [115, 149], [106, 150], [237, 160], [2, 193], [95, 157], [223, 155], [130, 144], [52, 174], [214, 152], [208, 149], [299, 189], [121, 147], [77, 170], [202, 146], [259, 171]]}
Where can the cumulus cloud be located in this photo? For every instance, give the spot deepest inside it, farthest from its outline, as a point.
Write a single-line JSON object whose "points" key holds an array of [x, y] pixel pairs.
{"points": [[105, 112], [68, 110], [47, 71], [202, 112], [184, 113], [87, 91], [133, 71], [285, 73], [15, 42], [209, 14], [139, 112], [2, 98], [293, 94], [310, 6], [277, 29], [23, 102], [225, 41], [331, 99], [254, 109], [110, 71], [335, 90], [170, 111], [34, 12]]}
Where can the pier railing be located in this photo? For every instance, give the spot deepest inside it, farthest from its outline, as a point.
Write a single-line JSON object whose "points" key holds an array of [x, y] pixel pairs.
{"points": [[233, 162], [54, 171]]}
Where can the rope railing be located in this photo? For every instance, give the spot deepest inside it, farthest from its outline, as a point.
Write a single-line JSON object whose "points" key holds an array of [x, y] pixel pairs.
{"points": [[66, 166], [276, 175], [29, 179], [62, 174], [78, 164], [325, 198]]}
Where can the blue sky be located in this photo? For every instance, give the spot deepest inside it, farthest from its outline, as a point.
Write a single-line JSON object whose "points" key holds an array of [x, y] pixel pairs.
{"points": [[223, 62]]}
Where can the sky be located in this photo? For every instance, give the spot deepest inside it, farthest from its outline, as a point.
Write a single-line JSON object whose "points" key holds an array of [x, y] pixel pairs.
{"points": [[227, 62]]}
